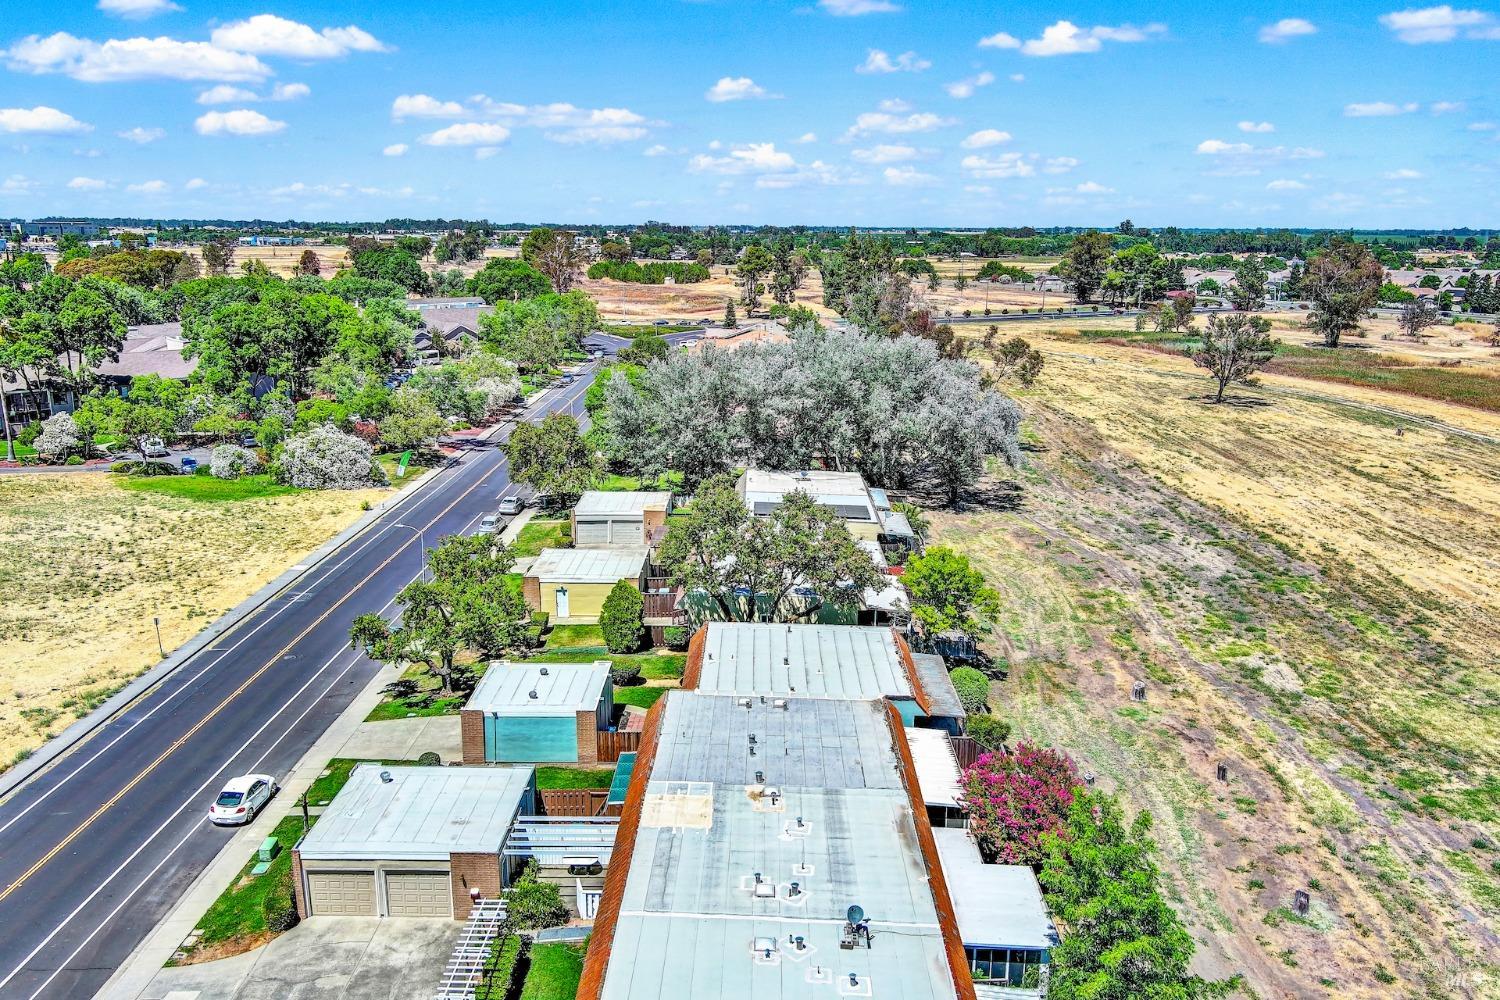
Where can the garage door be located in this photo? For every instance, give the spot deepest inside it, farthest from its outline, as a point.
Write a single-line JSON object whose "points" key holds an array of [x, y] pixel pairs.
{"points": [[592, 533], [418, 894], [342, 893], [627, 533]]}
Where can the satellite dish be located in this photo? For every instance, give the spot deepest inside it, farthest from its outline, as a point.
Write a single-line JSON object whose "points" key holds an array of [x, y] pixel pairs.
{"points": [[856, 914]]}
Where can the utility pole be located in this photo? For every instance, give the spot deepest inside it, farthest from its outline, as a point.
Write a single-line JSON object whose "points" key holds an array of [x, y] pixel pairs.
{"points": [[10, 444]]}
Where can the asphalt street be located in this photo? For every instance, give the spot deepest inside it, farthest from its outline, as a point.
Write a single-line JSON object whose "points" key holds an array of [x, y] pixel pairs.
{"points": [[97, 848]]}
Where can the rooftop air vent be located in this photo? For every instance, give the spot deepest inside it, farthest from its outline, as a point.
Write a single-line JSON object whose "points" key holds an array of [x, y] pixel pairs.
{"points": [[531, 694], [544, 671], [779, 703], [385, 777]]}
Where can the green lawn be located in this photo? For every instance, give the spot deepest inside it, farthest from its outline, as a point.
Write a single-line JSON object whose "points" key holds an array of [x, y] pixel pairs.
{"points": [[425, 704], [542, 533], [554, 973], [415, 469], [640, 697], [574, 777], [655, 665], [239, 912], [575, 635], [326, 787], [207, 489], [612, 483], [631, 331]]}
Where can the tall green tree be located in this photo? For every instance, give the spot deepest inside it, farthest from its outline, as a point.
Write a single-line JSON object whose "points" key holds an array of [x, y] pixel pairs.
{"points": [[1248, 293], [1233, 349], [508, 279], [754, 264], [1343, 281], [948, 593], [1085, 262], [552, 458], [556, 254]]}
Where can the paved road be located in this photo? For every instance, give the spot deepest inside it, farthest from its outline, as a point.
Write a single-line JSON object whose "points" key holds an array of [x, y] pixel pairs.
{"points": [[96, 849]]}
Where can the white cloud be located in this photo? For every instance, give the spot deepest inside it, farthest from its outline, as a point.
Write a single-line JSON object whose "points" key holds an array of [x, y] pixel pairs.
{"points": [[807, 137], [815, 173], [1286, 185], [135, 9], [961, 89], [40, 120], [290, 91], [1065, 38], [1092, 187], [132, 59], [1287, 29], [886, 122], [1005, 165], [196, 184], [907, 177], [485, 152], [240, 122], [142, 136], [269, 35], [656, 150], [854, 8], [87, 184], [880, 61], [736, 88], [468, 134], [1419, 26], [1483, 126], [17, 184], [226, 93], [1446, 107], [885, 154], [754, 158], [1379, 109], [1218, 147], [1257, 127], [1059, 165], [149, 187], [1404, 174], [985, 138], [422, 106], [395, 149], [1018, 78], [895, 105]]}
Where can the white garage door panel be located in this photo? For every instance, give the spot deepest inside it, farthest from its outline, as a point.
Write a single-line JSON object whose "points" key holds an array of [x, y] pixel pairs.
{"points": [[592, 533], [627, 533], [342, 893], [418, 894]]}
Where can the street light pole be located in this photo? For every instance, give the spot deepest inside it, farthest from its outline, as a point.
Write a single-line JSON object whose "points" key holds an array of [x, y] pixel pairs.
{"points": [[159, 647], [421, 540]]}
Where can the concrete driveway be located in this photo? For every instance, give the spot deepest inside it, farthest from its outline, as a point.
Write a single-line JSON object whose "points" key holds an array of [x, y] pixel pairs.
{"points": [[324, 958]]}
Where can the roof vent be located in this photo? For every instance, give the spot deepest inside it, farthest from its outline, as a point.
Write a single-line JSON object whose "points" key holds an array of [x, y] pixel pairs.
{"points": [[544, 671], [385, 777], [780, 703], [531, 694], [745, 703]]}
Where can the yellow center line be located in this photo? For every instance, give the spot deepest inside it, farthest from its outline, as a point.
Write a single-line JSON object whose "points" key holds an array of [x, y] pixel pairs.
{"points": [[177, 745]]}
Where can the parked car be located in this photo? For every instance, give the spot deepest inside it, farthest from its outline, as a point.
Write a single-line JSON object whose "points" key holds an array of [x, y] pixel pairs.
{"points": [[247, 440], [512, 504], [662, 322], [155, 448], [567, 378], [242, 799], [489, 524]]}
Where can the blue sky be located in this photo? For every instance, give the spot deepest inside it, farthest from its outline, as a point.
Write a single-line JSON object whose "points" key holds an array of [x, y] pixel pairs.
{"points": [[871, 112]]}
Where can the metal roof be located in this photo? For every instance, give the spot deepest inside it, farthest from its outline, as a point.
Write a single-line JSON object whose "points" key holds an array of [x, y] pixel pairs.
{"points": [[421, 814], [817, 661], [588, 565], [937, 768], [692, 921], [598, 503], [763, 491], [560, 688], [999, 906], [937, 685]]}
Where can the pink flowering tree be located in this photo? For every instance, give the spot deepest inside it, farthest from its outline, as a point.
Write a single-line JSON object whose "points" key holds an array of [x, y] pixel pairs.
{"points": [[1014, 799]]}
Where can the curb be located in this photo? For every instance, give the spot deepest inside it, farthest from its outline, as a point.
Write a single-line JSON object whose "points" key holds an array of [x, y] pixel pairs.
{"points": [[145, 683]]}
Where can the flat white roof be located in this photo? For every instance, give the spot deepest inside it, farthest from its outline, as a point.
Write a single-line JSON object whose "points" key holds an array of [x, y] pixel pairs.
{"points": [[937, 769], [588, 565], [999, 906], [598, 503], [560, 688], [845, 492], [420, 814], [810, 661]]}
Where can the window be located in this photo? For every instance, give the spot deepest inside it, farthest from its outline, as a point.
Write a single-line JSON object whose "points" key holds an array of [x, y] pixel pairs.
{"points": [[1014, 967]]}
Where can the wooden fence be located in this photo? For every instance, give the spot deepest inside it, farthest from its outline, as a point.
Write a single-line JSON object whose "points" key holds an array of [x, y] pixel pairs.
{"points": [[609, 746], [965, 750], [573, 801]]}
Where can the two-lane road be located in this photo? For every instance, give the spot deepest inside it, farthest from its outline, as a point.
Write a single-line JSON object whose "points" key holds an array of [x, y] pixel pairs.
{"points": [[97, 848]]}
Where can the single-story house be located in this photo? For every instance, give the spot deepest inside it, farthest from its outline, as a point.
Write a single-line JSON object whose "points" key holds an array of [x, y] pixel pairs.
{"points": [[606, 520], [412, 841], [938, 777], [571, 584], [866, 512], [538, 712], [446, 302], [1002, 919]]}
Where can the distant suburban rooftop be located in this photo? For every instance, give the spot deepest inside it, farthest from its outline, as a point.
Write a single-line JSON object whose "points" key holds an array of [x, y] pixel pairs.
{"points": [[561, 688], [462, 301], [712, 864], [937, 768], [446, 320], [588, 565], [422, 813], [764, 491], [598, 503], [999, 906], [815, 661]]}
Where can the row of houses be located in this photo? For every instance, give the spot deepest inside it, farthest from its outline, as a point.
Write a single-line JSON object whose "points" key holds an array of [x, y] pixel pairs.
{"points": [[789, 825]]}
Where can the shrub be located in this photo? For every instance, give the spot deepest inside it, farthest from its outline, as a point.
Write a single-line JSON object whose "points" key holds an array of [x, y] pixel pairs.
{"points": [[1015, 800], [325, 458], [534, 905], [968, 312], [230, 461], [676, 637], [138, 467], [279, 907], [620, 619], [504, 961], [58, 437], [429, 759], [988, 731], [973, 689], [625, 674], [30, 433], [75, 460]]}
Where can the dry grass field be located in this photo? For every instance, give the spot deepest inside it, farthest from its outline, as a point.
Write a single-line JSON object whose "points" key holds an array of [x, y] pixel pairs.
{"points": [[85, 564], [1312, 601]]}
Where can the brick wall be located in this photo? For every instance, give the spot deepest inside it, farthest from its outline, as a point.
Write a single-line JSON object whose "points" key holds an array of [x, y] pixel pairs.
{"points": [[473, 871], [299, 892], [531, 590], [654, 518], [471, 730], [588, 738]]}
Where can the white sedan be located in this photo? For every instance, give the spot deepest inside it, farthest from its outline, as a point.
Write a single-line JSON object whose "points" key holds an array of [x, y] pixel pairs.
{"points": [[242, 799]]}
